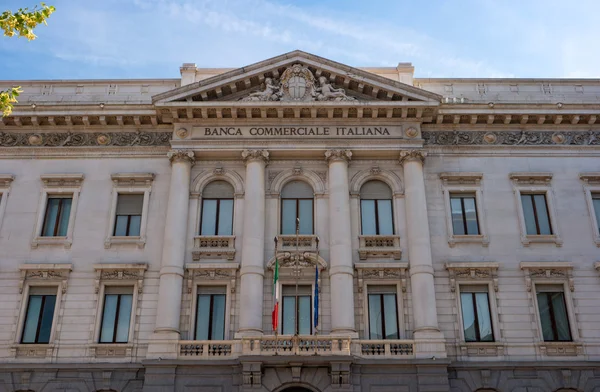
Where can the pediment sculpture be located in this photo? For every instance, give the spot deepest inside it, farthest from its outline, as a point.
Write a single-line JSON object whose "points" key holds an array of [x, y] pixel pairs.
{"points": [[297, 83]]}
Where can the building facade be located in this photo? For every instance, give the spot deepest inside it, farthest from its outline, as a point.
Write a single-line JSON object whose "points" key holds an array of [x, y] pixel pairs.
{"points": [[448, 227]]}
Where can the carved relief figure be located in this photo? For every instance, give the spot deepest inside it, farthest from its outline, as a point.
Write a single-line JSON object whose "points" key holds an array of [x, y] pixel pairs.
{"points": [[326, 92], [270, 93]]}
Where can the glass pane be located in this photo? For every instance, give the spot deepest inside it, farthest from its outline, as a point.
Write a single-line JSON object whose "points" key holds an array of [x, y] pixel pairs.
{"points": [[108, 318], [468, 314], [384, 214], [218, 317], [31, 319], [596, 202], [457, 216], [306, 216], [288, 216], [134, 225], [560, 316], [202, 317], [527, 202], [225, 217], [542, 214], [65, 213], [288, 322], [51, 216], [484, 317], [209, 217], [391, 316], [471, 216], [124, 318], [304, 315], [47, 316], [121, 225], [545, 317], [367, 216], [375, 317]]}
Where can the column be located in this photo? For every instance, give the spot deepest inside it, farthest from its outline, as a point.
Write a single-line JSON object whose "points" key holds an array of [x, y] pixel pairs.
{"points": [[166, 333], [428, 338], [341, 272], [253, 244]]}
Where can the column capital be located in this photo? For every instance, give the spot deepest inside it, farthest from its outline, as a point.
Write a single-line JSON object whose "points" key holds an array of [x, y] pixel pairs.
{"points": [[254, 155], [181, 155], [412, 155], [338, 155]]}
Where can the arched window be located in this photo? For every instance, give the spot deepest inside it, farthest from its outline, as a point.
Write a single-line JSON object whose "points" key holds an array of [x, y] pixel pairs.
{"points": [[376, 211], [217, 209], [297, 202]]}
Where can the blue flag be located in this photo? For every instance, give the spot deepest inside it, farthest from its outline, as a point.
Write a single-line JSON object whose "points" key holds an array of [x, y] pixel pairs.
{"points": [[316, 297]]}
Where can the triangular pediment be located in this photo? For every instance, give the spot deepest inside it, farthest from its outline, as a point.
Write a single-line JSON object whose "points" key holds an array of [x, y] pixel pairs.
{"points": [[297, 77]]}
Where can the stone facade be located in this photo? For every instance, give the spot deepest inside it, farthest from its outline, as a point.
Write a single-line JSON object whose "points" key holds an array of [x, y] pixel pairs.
{"points": [[299, 117]]}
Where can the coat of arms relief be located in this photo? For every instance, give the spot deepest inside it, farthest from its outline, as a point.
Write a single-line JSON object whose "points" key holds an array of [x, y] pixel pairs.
{"points": [[297, 83]]}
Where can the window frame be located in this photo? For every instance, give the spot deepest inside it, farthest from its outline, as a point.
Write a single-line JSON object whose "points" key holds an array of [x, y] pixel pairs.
{"points": [[551, 273], [199, 229], [591, 186], [5, 185], [536, 183], [115, 328], [129, 184], [462, 197], [377, 229], [296, 302], [196, 283], [25, 306], [397, 303], [552, 315], [57, 185], [281, 199], [59, 216], [288, 281], [462, 291], [464, 183]]}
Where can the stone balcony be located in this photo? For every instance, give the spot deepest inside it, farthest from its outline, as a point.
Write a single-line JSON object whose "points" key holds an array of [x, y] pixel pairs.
{"points": [[308, 345], [214, 247], [304, 242], [379, 247]]}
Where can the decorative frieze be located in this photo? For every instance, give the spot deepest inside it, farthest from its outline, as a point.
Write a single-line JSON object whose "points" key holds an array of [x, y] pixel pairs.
{"points": [[45, 273], [85, 139], [531, 178], [472, 272], [395, 272], [120, 273], [132, 179], [224, 271], [548, 272], [511, 138]]}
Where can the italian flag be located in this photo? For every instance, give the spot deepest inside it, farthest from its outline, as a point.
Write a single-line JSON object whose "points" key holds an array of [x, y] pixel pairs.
{"points": [[275, 314]]}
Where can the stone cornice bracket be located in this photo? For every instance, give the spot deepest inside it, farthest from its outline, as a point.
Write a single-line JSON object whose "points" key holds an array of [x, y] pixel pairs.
{"points": [[588, 178], [338, 155], [412, 155], [6, 180], [181, 155], [253, 155], [531, 178]]}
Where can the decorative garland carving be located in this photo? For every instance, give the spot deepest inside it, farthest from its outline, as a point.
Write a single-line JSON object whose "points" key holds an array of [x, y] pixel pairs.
{"points": [[540, 272], [411, 155], [472, 272], [338, 155], [80, 139], [130, 272], [382, 271], [511, 138], [45, 272], [219, 271]]}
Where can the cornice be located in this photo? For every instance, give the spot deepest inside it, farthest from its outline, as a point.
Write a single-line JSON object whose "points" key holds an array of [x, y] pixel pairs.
{"points": [[511, 138], [84, 139]]}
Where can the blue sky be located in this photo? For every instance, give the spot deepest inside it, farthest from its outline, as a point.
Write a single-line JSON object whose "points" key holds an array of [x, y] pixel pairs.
{"points": [[88, 39]]}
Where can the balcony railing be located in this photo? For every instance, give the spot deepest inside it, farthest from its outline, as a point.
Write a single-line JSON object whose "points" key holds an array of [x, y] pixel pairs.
{"points": [[379, 246], [306, 345], [306, 243], [383, 348], [213, 349], [214, 247]]}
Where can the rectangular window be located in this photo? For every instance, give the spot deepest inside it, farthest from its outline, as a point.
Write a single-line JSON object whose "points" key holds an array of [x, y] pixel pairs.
{"points": [[596, 204], [297, 208], [296, 310], [56, 220], [535, 212], [129, 215], [210, 313], [116, 314], [477, 321], [217, 217], [376, 217], [464, 214], [383, 312], [553, 314], [39, 315]]}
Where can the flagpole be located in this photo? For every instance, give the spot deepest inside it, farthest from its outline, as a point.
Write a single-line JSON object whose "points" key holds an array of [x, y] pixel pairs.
{"points": [[297, 272], [318, 299], [274, 327]]}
